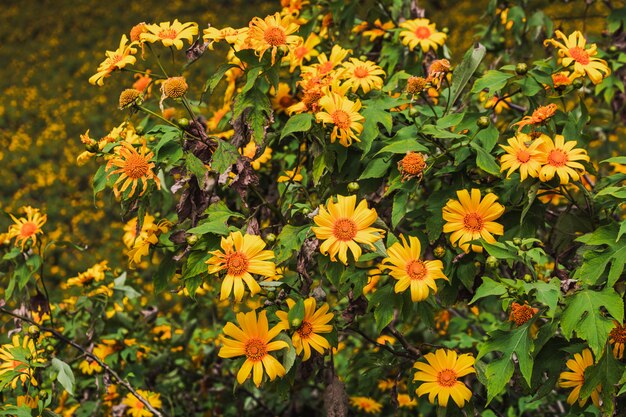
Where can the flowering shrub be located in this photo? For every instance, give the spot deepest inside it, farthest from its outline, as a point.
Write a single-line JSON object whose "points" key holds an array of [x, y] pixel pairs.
{"points": [[342, 219]]}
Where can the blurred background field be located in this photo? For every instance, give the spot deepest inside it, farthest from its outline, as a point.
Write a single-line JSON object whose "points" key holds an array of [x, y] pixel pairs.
{"points": [[51, 48]]}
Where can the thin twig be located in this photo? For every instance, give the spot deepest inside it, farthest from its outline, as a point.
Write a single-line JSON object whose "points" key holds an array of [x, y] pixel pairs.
{"points": [[90, 355]]}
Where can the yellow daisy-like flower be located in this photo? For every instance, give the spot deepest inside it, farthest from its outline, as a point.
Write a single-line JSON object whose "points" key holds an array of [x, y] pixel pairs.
{"points": [[441, 377], [519, 156], [404, 401], [305, 51], [141, 245], [170, 34], [573, 51], [253, 339], [250, 151], [28, 227], [411, 271], [230, 35], [560, 158], [117, 59], [94, 274], [274, 33], [242, 256], [422, 33], [344, 115], [617, 338], [138, 409], [342, 226], [28, 401], [131, 234], [365, 75], [290, 175], [575, 378], [314, 323], [366, 404], [282, 99], [378, 30], [326, 64], [18, 357], [133, 167], [470, 218]]}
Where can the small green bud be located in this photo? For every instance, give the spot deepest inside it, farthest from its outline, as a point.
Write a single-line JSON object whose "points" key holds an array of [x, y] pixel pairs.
{"points": [[483, 122], [183, 122], [528, 278], [613, 48], [270, 238], [492, 262], [517, 241], [33, 331], [446, 30], [191, 239], [295, 323], [271, 295], [363, 58], [353, 187], [50, 348], [521, 69], [439, 252], [577, 83], [305, 211], [414, 112]]}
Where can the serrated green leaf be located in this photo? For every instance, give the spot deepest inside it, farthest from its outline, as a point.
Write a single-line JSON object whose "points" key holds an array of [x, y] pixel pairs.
{"points": [[290, 240], [493, 81], [488, 288], [224, 156]]}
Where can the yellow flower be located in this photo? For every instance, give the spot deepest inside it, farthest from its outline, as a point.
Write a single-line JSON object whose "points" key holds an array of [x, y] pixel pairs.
{"points": [[28, 227], [411, 271], [363, 75], [28, 401], [576, 378], [404, 401], [573, 51], [117, 59], [563, 79], [282, 100], [441, 376], [307, 335], [273, 33], [617, 338], [539, 115], [520, 156], [253, 339], [94, 274], [366, 404], [325, 65], [469, 218], [18, 357], [343, 227], [290, 175], [344, 115], [131, 233], [422, 33], [250, 151], [170, 34], [373, 276], [230, 35], [133, 167], [242, 256], [378, 30], [142, 243], [138, 409], [303, 52], [560, 158], [101, 351]]}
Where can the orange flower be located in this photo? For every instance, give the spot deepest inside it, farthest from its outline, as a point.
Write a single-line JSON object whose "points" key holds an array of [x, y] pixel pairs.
{"points": [[521, 313], [27, 228], [540, 115], [133, 167]]}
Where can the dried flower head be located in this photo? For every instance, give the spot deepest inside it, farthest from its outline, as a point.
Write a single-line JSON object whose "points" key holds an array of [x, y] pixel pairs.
{"points": [[412, 165], [521, 313], [174, 87], [416, 85], [129, 97]]}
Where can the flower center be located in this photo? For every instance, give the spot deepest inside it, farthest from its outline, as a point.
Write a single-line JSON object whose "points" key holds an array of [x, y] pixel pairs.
{"points": [[136, 166], [114, 60], [618, 334], [326, 67], [361, 72], [341, 119], [473, 222], [557, 158], [446, 378], [305, 329], [580, 55], [237, 264], [523, 156], [416, 269], [139, 405], [275, 36], [255, 349], [344, 229], [413, 163], [423, 32], [168, 34], [28, 229]]}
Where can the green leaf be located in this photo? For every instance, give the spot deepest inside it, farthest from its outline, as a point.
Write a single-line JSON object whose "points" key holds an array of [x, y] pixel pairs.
{"points": [[383, 312], [547, 293], [214, 79], [216, 221], [297, 123], [493, 81], [499, 373], [224, 157], [290, 240], [162, 276], [434, 131], [583, 315], [196, 167], [604, 246], [376, 112], [516, 342], [607, 373], [465, 70], [485, 160], [501, 251], [99, 181], [403, 147], [296, 313], [399, 208], [65, 375], [376, 168], [488, 288]]}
